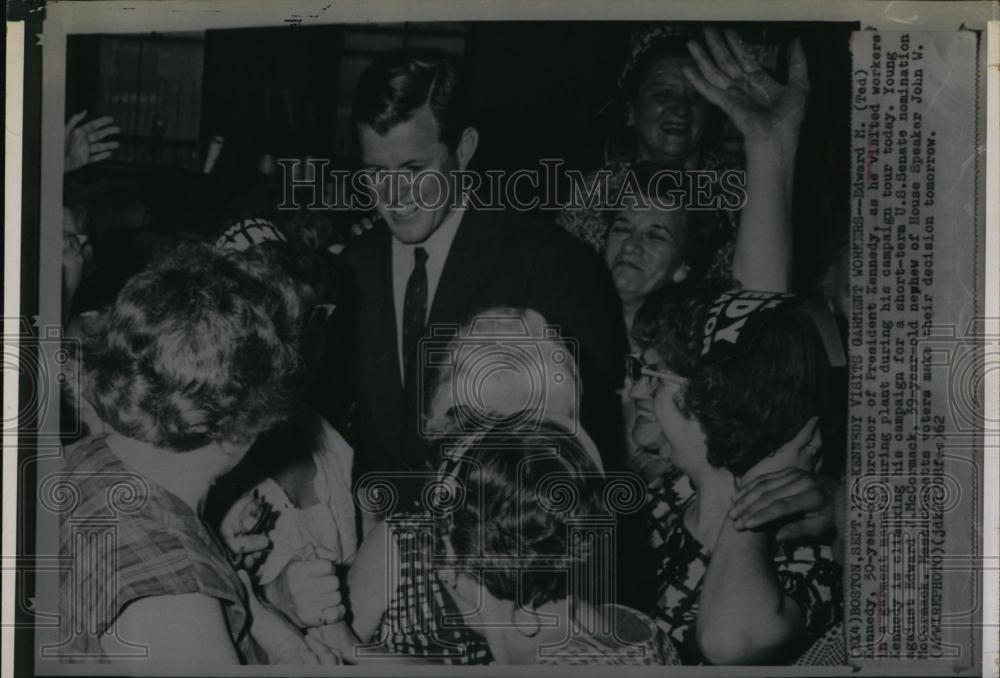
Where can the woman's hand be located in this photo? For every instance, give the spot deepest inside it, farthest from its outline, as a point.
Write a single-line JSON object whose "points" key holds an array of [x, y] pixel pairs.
{"points": [[338, 638], [308, 591], [804, 501], [85, 143], [283, 643], [764, 110], [248, 549]]}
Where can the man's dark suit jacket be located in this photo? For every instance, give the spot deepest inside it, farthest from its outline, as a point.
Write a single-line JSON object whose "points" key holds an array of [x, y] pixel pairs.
{"points": [[496, 259]]}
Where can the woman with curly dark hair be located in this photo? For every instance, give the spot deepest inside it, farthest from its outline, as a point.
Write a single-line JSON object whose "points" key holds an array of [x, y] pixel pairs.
{"points": [[196, 357], [735, 381]]}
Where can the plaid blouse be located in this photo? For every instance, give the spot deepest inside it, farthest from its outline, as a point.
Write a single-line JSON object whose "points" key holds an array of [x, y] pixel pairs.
{"points": [[125, 539], [806, 572], [634, 640], [422, 619]]}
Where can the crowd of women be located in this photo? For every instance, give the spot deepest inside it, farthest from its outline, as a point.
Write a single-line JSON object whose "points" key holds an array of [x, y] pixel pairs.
{"points": [[254, 540]]}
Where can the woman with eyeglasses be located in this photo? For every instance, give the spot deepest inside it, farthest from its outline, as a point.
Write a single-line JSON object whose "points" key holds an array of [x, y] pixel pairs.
{"points": [[734, 381]]}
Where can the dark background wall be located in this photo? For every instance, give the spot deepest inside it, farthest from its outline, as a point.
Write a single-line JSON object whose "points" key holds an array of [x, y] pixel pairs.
{"points": [[285, 92]]}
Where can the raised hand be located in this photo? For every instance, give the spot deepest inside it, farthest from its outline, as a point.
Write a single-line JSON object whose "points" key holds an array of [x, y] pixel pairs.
{"points": [[764, 110], [283, 643], [86, 143]]}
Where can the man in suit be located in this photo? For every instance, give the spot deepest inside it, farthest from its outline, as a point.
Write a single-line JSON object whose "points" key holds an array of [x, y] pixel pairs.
{"points": [[432, 260]]}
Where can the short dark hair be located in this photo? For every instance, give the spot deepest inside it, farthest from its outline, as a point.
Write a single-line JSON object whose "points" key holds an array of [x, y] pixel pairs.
{"points": [[396, 84], [753, 402], [522, 490], [201, 347]]}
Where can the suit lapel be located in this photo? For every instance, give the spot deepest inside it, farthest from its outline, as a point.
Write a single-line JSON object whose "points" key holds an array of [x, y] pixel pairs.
{"points": [[470, 261]]}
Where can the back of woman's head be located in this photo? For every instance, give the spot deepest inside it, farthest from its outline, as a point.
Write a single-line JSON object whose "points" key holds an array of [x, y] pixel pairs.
{"points": [[512, 501], [504, 362], [755, 366], [201, 347]]}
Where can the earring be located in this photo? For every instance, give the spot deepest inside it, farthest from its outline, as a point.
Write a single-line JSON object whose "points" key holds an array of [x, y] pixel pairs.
{"points": [[538, 624]]}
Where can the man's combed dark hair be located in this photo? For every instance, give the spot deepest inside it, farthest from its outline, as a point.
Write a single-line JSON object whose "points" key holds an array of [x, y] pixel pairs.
{"points": [[749, 404], [201, 347], [521, 494], [397, 84]]}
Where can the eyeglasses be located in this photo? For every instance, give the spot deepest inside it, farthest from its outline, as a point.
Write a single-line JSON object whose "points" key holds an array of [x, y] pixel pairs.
{"points": [[636, 369]]}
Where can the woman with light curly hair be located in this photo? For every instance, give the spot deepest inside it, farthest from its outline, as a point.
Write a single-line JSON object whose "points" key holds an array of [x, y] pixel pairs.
{"points": [[195, 358]]}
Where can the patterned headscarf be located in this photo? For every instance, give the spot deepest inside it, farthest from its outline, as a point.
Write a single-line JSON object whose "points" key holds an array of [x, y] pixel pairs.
{"points": [[641, 41]]}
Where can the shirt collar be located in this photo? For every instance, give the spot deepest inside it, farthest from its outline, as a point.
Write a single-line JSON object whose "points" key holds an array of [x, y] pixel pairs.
{"points": [[439, 242]]}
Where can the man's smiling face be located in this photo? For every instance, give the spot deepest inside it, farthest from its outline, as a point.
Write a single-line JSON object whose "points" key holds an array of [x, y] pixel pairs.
{"points": [[413, 147]]}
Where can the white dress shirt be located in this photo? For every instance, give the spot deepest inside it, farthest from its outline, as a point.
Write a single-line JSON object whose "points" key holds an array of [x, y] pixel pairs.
{"points": [[437, 247]]}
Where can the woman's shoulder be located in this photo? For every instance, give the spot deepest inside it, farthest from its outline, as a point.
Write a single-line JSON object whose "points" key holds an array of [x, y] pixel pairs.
{"points": [[586, 221], [159, 548], [95, 483], [721, 158], [90, 453], [808, 573]]}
